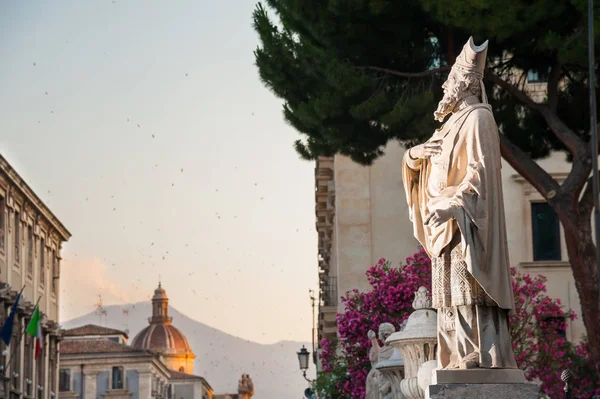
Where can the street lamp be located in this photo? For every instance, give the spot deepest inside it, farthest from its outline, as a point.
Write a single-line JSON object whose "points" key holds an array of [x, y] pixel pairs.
{"points": [[303, 357]]}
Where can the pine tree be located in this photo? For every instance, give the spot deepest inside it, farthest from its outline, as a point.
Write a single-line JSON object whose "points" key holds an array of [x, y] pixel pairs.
{"points": [[356, 74]]}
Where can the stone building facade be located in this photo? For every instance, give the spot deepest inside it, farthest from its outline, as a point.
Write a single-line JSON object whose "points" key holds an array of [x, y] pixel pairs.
{"points": [[362, 216], [31, 239], [96, 362]]}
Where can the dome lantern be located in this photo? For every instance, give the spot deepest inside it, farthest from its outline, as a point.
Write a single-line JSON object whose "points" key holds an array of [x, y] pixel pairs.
{"points": [[161, 337], [160, 307]]}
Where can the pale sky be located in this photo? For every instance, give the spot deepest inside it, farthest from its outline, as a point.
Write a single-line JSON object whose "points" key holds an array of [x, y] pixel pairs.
{"points": [[144, 127]]}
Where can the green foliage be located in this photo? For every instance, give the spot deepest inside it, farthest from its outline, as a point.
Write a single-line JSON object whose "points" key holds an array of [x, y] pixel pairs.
{"points": [[310, 57], [316, 54], [334, 374]]}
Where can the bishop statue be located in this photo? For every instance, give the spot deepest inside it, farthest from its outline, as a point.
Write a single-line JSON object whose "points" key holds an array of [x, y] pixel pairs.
{"points": [[454, 192]]}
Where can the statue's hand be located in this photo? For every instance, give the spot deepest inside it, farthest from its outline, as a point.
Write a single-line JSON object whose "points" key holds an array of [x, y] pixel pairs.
{"points": [[426, 150], [440, 216], [371, 334]]}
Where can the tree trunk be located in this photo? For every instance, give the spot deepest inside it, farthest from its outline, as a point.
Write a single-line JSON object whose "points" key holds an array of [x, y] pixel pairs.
{"points": [[575, 217], [582, 257]]}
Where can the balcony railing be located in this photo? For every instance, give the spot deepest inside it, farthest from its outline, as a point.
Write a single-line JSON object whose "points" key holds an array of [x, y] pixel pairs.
{"points": [[329, 291]]}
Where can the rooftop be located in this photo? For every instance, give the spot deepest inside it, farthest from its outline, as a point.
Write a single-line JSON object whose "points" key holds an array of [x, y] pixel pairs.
{"points": [[79, 347], [178, 375], [92, 329]]}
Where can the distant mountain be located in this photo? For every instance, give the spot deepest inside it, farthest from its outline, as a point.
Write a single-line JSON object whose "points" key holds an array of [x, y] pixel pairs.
{"points": [[220, 357]]}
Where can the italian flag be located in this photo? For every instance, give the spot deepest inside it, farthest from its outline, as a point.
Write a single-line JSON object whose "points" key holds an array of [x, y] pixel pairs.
{"points": [[34, 328]]}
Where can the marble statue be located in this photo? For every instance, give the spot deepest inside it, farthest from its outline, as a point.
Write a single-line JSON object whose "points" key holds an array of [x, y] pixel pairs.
{"points": [[454, 192], [246, 386], [376, 355]]}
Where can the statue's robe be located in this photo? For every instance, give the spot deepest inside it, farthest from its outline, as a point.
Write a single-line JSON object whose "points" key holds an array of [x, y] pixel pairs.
{"points": [[466, 176]]}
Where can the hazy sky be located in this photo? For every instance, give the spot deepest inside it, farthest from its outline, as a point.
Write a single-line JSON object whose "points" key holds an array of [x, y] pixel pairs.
{"points": [[144, 126]]}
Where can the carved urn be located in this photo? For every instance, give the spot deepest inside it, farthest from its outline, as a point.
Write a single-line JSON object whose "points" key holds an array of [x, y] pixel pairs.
{"points": [[417, 342]]}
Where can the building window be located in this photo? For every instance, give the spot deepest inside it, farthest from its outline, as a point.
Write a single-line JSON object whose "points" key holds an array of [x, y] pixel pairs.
{"points": [[30, 240], [64, 380], [2, 223], [545, 229], [534, 76], [17, 237], [28, 361], [117, 378], [15, 362], [53, 271], [42, 261], [40, 363]]}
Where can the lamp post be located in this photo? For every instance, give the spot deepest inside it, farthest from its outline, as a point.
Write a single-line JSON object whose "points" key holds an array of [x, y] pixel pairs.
{"points": [[303, 360], [312, 300]]}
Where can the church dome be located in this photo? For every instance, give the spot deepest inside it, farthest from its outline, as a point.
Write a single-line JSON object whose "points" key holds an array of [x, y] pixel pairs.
{"points": [[162, 337]]}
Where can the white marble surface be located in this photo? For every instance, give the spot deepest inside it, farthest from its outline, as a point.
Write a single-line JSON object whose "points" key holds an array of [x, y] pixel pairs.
{"points": [[478, 376], [483, 391]]}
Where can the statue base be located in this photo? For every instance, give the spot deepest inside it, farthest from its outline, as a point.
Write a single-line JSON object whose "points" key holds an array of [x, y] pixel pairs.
{"points": [[478, 376], [480, 384], [525, 390]]}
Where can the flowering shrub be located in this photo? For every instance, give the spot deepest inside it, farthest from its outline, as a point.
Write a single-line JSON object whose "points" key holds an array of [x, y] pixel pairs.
{"points": [[333, 379], [390, 300], [586, 380], [538, 316]]}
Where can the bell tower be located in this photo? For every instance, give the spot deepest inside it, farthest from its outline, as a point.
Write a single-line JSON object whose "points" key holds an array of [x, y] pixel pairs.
{"points": [[160, 307]]}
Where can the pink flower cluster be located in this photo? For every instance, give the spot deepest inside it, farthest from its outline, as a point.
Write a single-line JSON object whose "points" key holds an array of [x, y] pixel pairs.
{"points": [[390, 300], [327, 352], [537, 328]]}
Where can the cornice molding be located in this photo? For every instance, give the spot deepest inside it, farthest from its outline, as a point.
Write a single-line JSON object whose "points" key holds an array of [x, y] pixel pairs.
{"points": [[529, 189], [545, 264], [19, 190]]}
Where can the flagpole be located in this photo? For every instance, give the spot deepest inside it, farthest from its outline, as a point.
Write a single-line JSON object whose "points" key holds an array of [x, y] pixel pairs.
{"points": [[16, 346], [21, 335]]}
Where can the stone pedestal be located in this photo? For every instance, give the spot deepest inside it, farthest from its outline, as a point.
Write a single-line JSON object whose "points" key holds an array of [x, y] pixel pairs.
{"points": [[417, 342], [478, 376], [481, 384], [483, 391]]}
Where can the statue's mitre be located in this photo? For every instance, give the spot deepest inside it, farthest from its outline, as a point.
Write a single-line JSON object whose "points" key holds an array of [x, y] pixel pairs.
{"points": [[472, 58]]}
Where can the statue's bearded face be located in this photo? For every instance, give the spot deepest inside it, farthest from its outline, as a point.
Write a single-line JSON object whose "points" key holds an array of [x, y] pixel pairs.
{"points": [[456, 87], [451, 97]]}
